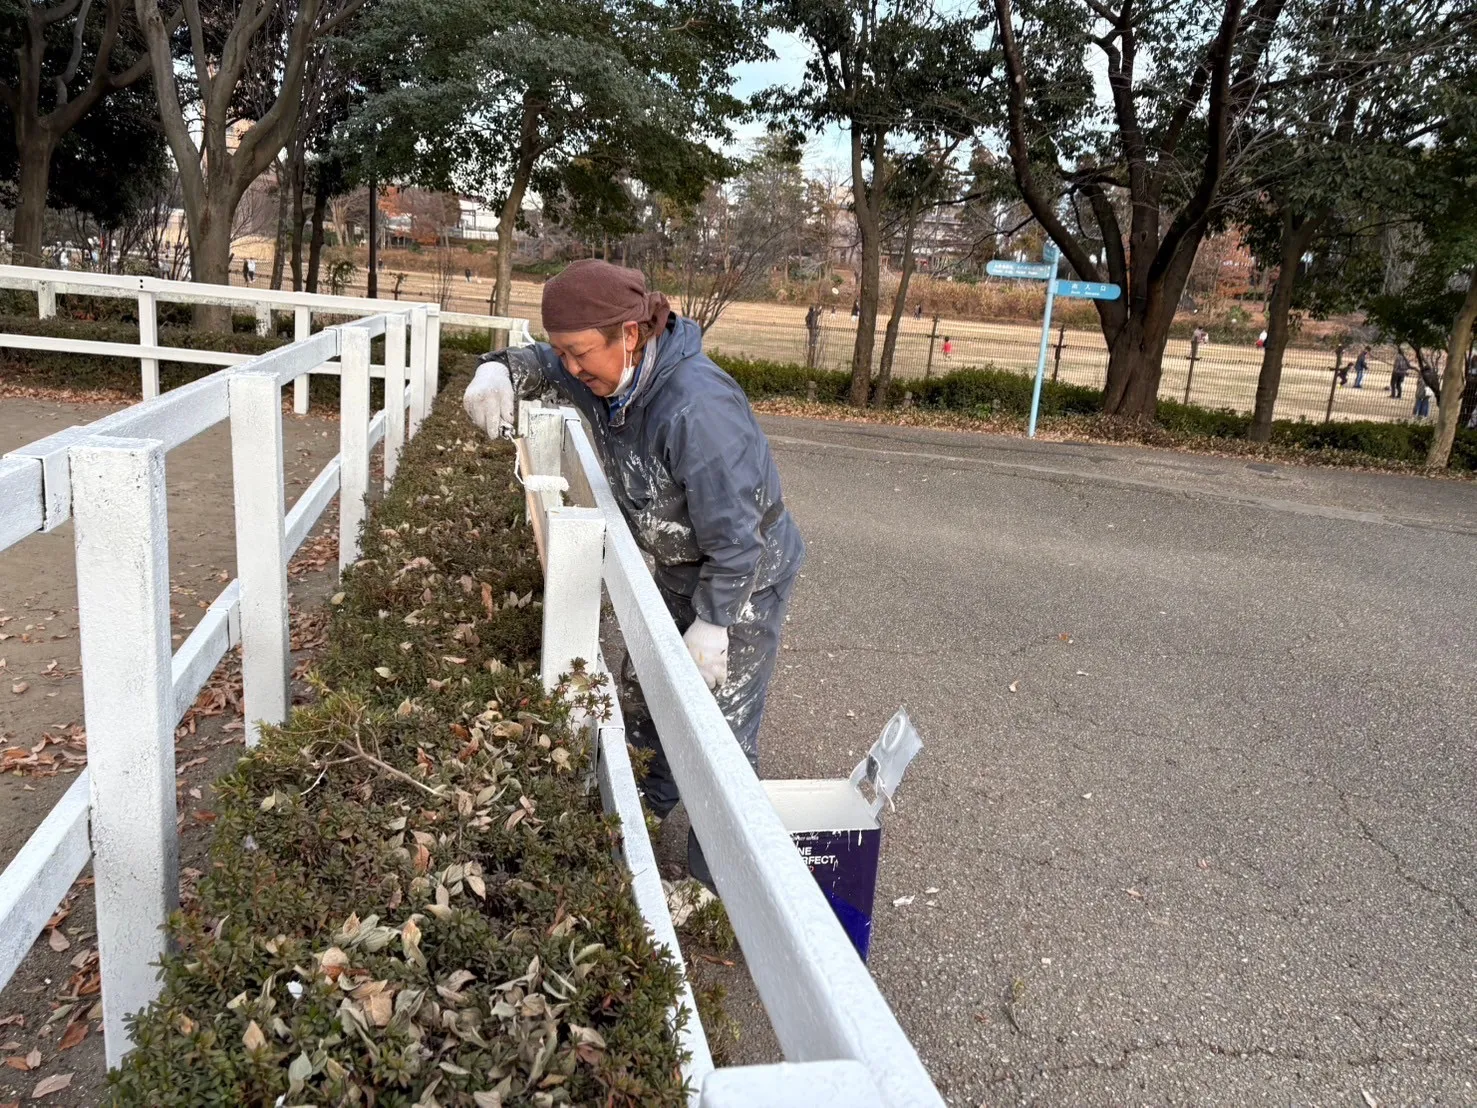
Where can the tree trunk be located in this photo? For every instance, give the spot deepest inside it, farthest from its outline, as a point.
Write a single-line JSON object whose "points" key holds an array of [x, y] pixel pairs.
{"points": [[507, 226], [315, 244], [210, 260], [299, 219], [894, 321], [867, 204], [372, 285], [35, 152], [1453, 384], [1296, 235], [279, 247], [1136, 363], [507, 220]]}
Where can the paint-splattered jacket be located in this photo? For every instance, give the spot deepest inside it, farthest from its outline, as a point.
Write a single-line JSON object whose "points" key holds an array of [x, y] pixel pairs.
{"points": [[690, 467]]}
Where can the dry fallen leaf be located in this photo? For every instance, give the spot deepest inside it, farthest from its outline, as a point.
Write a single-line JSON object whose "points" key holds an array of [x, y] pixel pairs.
{"points": [[76, 1031], [20, 687], [57, 941], [253, 1039], [53, 1084], [1013, 685]]}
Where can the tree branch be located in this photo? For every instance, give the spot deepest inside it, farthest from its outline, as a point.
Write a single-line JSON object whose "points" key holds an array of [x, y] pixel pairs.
{"points": [[76, 59], [1020, 158]]}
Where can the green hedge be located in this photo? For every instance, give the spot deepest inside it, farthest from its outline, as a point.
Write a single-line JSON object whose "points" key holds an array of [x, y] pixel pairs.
{"points": [[988, 391], [412, 897]]}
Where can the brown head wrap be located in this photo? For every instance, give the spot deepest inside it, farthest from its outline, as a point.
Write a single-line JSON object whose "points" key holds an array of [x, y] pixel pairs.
{"points": [[592, 294]]}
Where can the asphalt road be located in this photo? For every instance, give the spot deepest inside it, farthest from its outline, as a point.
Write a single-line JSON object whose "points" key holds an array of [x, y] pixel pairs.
{"points": [[1198, 787]]}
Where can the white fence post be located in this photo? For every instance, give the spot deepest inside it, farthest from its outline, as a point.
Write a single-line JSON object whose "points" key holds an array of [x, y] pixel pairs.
{"points": [[576, 553], [353, 440], [45, 300], [302, 328], [264, 319], [122, 544], [433, 355], [256, 464], [148, 335], [394, 392], [545, 432], [418, 329]]}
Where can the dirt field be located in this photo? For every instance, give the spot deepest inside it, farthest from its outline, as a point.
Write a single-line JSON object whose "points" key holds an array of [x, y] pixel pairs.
{"points": [[1224, 375], [42, 730]]}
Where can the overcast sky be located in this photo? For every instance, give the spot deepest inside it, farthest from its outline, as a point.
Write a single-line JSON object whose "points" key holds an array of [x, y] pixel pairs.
{"points": [[828, 148]]}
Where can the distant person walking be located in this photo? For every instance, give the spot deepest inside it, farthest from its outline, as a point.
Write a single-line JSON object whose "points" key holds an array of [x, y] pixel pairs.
{"points": [[1398, 373], [1261, 341], [918, 310], [856, 309], [1422, 398], [948, 347], [1361, 364]]}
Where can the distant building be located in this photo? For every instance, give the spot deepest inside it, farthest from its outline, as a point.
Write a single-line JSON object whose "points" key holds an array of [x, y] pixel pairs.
{"points": [[478, 220]]}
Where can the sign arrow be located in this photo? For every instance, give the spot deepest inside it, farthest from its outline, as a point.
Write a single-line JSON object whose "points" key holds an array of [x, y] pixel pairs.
{"points": [[1088, 290], [1033, 271]]}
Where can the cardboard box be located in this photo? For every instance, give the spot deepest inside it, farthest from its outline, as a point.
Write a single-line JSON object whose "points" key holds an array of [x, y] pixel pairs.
{"points": [[837, 826]]}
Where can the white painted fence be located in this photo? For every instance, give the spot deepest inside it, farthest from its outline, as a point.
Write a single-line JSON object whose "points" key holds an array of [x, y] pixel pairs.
{"points": [[149, 292], [108, 478], [842, 1042]]}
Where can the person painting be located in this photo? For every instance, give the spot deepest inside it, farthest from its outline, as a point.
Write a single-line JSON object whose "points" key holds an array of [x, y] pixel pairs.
{"points": [[692, 473]]}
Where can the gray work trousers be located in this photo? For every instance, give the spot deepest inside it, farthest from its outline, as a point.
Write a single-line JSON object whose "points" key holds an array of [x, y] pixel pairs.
{"points": [[753, 646]]}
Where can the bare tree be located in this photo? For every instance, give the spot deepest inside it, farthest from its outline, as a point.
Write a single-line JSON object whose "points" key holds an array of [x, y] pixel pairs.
{"points": [[248, 67], [728, 246], [917, 187], [42, 111]]}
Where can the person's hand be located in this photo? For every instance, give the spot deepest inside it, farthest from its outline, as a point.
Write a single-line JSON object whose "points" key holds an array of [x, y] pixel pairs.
{"points": [[489, 399], [708, 645]]}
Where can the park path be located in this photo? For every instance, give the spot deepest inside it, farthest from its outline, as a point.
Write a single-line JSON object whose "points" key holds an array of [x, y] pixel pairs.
{"points": [[41, 693], [1194, 818]]}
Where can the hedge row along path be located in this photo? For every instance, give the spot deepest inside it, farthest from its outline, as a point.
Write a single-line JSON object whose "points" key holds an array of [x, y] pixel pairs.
{"points": [[412, 896]]}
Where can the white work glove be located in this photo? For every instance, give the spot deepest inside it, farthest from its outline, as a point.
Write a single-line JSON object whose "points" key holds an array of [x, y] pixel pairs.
{"points": [[708, 646], [489, 399]]}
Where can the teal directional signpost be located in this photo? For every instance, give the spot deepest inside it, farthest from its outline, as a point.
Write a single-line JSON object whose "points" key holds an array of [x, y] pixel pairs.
{"points": [[1077, 290]]}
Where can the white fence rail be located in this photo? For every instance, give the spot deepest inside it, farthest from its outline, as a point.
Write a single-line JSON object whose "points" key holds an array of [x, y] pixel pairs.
{"points": [[108, 477], [842, 1042], [149, 292]]}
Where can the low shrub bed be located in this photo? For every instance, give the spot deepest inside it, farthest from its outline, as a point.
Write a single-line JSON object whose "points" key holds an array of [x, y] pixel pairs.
{"points": [[412, 896], [992, 392]]}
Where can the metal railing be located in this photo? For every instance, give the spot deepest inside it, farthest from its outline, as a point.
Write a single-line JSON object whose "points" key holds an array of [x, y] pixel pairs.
{"points": [[841, 1041], [108, 478]]}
